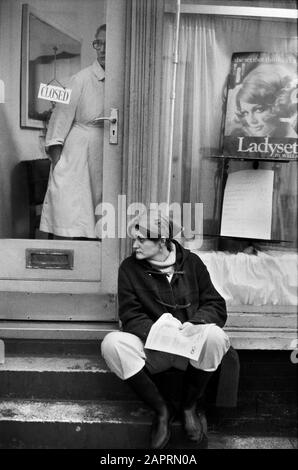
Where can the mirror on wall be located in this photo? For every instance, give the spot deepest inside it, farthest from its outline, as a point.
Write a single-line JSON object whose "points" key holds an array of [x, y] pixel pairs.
{"points": [[49, 55]]}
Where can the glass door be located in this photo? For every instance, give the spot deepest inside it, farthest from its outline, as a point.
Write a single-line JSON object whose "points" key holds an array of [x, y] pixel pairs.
{"points": [[46, 276]]}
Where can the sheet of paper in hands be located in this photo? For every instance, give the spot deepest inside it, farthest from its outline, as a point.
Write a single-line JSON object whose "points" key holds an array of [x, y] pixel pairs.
{"points": [[167, 335]]}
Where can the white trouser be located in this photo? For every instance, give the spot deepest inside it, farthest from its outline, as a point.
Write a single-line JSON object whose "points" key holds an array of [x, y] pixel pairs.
{"points": [[125, 355]]}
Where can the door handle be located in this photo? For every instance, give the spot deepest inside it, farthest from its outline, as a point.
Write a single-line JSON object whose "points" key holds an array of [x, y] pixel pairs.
{"points": [[104, 118], [113, 120]]}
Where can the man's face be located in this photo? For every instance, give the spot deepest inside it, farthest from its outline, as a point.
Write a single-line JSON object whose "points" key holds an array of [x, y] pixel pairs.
{"points": [[101, 48]]}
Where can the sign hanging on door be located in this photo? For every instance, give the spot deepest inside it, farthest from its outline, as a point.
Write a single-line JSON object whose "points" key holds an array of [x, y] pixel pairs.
{"points": [[54, 93]]}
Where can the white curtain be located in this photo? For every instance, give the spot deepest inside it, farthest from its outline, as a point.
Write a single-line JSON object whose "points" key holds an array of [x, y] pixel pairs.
{"points": [[206, 44]]}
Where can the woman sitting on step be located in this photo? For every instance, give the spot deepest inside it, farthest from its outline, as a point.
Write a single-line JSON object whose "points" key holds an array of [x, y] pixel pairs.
{"points": [[161, 276]]}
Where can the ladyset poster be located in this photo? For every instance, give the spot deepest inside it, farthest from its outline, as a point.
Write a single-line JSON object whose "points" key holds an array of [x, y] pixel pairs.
{"points": [[261, 114]]}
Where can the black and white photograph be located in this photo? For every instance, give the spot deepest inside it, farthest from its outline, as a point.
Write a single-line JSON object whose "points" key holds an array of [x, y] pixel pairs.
{"points": [[148, 229]]}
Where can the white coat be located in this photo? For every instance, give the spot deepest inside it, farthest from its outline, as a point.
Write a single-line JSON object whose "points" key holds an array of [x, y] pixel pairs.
{"points": [[75, 185]]}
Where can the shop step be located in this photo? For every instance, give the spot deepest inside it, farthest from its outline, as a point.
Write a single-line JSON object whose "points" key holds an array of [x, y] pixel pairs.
{"points": [[104, 425], [53, 330], [80, 425], [53, 370], [54, 376], [60, 377]]}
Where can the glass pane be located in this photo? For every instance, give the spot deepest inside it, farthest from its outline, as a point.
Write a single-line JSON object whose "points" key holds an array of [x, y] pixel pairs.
{"points": [[54, 45], [51, 54], [206, 46]]}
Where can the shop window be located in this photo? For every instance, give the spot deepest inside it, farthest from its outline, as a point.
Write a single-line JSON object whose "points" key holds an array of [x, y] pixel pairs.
{"points": [[206, 45]]}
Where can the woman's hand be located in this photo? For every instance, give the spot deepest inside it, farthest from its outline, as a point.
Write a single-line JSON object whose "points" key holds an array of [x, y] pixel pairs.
{"points": [[187, 324]]}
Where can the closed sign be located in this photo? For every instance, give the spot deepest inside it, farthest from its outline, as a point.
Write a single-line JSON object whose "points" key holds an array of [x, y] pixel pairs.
{"points": [[54, 93]]}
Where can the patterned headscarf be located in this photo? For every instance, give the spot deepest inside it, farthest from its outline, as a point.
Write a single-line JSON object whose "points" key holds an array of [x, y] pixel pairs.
{"points": [[154, 223]]}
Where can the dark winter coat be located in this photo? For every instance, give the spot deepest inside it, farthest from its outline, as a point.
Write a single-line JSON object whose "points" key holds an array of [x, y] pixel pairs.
{"points": [[144, 294]]}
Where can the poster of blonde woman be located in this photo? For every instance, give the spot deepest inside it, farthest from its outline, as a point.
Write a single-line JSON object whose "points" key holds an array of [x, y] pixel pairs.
{"points": [[261, 115]]}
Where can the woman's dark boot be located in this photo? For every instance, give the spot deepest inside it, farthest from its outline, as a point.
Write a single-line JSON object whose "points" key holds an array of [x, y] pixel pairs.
{"points": [[194, 421], [146, 389]]}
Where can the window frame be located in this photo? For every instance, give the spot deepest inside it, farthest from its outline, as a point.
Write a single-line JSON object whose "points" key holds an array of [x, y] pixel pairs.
{"points": [[227, 10]]}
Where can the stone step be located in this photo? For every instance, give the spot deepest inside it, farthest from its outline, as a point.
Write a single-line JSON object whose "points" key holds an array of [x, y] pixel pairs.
{"points": [[103, 425], [74, 377], [60, 377], [78, 425], [70, 370], [48, 347], [74, 371], [78, 376]]}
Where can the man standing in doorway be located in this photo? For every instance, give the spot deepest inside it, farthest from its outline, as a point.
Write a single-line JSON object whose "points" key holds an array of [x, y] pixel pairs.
{"points": [[74, 143]]}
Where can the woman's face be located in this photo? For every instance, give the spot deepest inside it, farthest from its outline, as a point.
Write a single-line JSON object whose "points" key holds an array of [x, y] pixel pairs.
{"points": [[258, 119], [144, 248]]}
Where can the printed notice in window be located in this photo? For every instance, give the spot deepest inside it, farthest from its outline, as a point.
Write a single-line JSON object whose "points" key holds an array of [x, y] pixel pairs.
{"points": [[247, 204]]}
